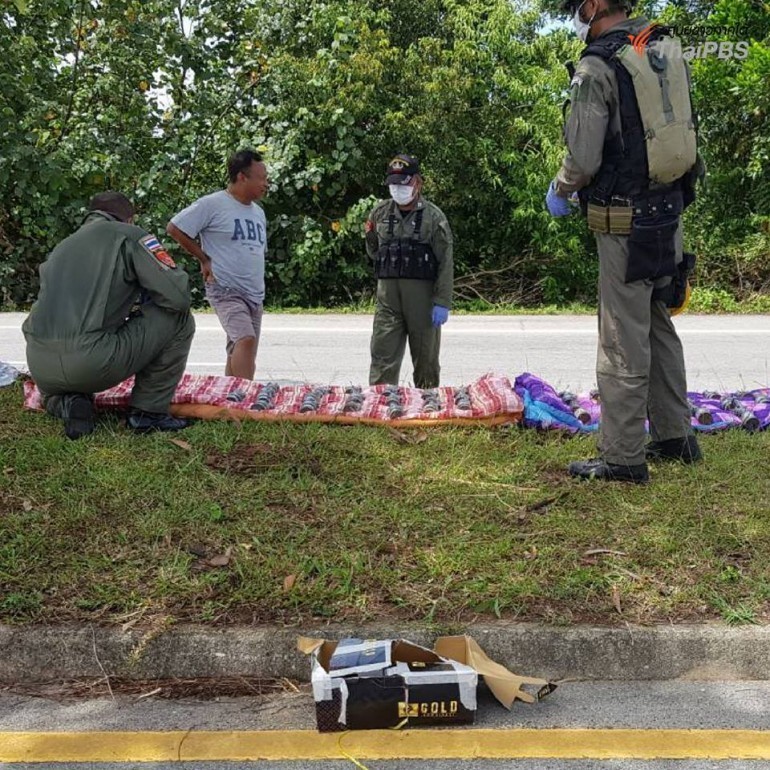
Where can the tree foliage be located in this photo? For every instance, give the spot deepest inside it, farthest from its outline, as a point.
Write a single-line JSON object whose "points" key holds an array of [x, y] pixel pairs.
{"points": [[150, 96]]}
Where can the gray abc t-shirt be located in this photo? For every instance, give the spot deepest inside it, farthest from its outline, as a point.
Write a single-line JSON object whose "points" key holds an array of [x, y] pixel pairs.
{"points": [[234, 236]]}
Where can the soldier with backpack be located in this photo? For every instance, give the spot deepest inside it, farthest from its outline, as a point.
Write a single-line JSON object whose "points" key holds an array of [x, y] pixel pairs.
{"points": [[632, 161]]}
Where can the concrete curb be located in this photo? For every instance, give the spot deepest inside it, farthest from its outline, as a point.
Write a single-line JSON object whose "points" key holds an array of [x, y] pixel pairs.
{"points": [[708, 652]]}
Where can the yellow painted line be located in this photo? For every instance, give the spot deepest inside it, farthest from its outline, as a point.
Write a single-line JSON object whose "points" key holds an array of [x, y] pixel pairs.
{"points": [[384, 744]]}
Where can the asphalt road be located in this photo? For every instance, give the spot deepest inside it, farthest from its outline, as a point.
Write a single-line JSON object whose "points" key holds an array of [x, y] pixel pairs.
{"points": [[723, 353], [574, 705], [578, 705]]}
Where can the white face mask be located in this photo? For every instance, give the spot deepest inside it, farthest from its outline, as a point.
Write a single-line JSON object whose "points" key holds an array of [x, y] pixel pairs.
{"points": [[582, 28], [402, 194]]}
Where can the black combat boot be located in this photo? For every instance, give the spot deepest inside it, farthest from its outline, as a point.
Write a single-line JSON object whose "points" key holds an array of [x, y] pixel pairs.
{"points": [[77, 411], [683, 450], [598, 468], [146, 422]]}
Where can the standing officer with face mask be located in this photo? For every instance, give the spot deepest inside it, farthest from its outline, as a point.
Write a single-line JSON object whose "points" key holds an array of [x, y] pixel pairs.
{"points": [[632, 161], [410, 242]]}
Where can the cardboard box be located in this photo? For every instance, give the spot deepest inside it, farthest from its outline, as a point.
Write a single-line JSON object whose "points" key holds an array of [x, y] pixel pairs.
{"points": [[376, 684]]}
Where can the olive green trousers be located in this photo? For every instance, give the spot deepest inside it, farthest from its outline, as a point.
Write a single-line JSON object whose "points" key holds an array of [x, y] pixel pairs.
{"points": [[153, 346], [640, 363], [404, 312]]}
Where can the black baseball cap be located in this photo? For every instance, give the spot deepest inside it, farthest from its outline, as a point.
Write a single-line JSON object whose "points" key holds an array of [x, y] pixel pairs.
{"points": [[114, 203], [401, 169]]}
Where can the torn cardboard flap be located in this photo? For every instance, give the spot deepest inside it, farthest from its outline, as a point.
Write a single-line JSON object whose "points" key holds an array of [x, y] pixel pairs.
{"points": [[504, 684], [308, 645]]}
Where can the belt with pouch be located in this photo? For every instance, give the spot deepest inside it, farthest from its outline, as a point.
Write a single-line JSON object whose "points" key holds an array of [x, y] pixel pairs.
{"points": [[662, 204], [617, 218], [614, 219]]}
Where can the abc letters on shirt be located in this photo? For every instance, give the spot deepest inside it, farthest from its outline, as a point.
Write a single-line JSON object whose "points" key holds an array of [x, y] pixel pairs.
{"points": [[248, 230]]}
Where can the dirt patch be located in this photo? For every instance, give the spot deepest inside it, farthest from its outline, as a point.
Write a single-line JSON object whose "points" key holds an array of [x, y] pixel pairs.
{"points": [[257, 458], [248, 459]]}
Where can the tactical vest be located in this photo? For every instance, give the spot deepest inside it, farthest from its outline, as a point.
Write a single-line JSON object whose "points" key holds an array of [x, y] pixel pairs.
{"points": [[406, 257], [656, 147]]}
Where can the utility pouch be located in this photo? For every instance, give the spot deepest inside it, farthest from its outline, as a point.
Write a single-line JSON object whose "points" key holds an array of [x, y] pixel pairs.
{"points": [[407, 261], [598, 218], [675, 295], [620, 220], [652, 248], [388, 261], [680, 294]]}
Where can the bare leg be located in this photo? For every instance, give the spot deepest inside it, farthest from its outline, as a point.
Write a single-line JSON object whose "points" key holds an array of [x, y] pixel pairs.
{"points": [[242, 361]]}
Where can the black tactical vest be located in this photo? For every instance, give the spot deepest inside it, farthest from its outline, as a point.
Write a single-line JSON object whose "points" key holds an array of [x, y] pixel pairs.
{"points": [[406, 257], [624, 172]]}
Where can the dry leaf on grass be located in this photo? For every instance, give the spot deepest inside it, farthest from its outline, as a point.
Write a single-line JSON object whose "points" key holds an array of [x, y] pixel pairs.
{"points": [[181, 444], [222, 559], [27, 506], [288, 582]]}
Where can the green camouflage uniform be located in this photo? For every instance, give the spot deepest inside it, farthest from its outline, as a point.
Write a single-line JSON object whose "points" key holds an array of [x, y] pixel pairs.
{"points": [[640, 362], [404, 305], [78, 337]]}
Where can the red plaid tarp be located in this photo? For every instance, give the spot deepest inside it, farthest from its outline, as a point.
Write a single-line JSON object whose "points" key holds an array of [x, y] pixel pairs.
{"points": [[491, 400]]}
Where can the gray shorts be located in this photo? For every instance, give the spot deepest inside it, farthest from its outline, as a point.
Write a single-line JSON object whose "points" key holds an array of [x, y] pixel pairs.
{"points": [[240, 317]]}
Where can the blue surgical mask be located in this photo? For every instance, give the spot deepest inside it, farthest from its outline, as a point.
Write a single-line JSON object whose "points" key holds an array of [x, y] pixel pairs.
{"points": [[402, 194]]}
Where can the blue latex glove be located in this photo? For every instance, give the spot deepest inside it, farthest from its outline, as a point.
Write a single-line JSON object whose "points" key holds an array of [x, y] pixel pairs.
{"points": [[440, 315], [556, 205]]}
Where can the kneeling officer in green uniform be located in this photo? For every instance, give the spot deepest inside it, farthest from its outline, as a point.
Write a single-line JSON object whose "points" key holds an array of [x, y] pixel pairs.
{"points": [[80, 338], [409, 240]]}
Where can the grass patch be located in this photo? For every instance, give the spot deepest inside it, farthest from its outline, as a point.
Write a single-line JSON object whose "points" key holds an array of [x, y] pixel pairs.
{"points": [[288, 523]]}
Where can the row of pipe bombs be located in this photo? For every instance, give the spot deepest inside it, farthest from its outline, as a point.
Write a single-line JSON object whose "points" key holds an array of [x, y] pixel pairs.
{"points": [[704, 416], [431, 402], [734, 405], [393, 398], [354, 399]]}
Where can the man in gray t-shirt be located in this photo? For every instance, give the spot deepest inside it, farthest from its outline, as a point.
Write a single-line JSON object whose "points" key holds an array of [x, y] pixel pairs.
{"points": [[226, 232]]}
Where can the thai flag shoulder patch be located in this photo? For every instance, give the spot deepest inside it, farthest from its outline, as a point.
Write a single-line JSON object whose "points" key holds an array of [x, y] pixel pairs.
{"points": [[156, 249]]}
